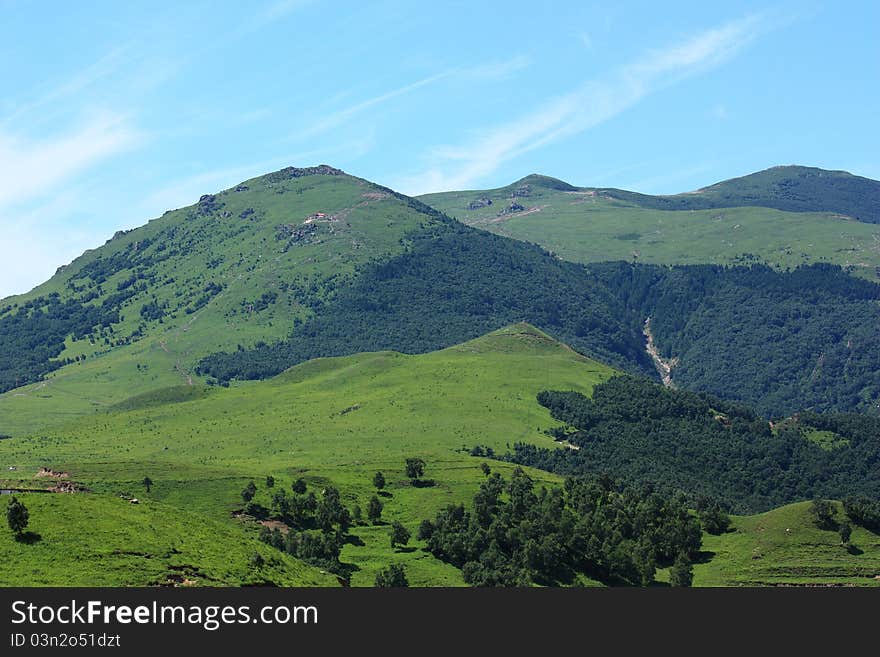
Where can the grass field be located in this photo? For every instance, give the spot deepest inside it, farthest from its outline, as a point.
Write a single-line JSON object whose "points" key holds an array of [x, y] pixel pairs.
{"points": [[587, 226], [331, 421], [103, 540], [783, 547], [334, 421]]}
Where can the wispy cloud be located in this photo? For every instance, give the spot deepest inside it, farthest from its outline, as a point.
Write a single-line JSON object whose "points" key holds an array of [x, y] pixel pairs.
{"points": [[343, 116], [106, 66], [31, 168], [488, 70], [595, 101], [585, 39], [720, 112], [496, 70], [274, 11]]}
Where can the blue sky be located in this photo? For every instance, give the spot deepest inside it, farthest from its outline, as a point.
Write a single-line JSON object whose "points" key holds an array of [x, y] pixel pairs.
{"points": [[112, 113]]}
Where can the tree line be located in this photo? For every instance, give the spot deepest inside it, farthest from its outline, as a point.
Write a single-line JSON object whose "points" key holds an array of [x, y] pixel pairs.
{"points": [[639, 431]]}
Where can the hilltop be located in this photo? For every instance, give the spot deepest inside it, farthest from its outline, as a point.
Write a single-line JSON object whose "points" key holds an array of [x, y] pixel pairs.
{"points": [[784, 216], [789, 188]]}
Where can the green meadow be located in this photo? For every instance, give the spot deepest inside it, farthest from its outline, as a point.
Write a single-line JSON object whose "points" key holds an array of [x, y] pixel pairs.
{"points": [[332, 421], [783, 547], [590, 226]]}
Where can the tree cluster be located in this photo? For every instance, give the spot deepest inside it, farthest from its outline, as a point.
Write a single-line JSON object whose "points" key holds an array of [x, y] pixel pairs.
{"points": [[515, 535], [638, 431]]}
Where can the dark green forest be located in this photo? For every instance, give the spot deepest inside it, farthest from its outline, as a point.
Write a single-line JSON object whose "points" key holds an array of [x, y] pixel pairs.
{"points": [[515, 535], [780, 341], [639, 431], [32, 335], [454, 284]]}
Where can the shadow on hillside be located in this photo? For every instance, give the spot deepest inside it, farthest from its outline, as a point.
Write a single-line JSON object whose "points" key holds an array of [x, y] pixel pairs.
{"points": [[405, 550], [423, 483], [704, 556], [384, 493], [29, 538], [351, 539], [345, 571], [854, 550]]}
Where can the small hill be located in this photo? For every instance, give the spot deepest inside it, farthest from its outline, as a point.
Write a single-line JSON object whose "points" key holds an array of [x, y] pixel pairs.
{"points": [[783, 547], [104, 540], [800, 189]]}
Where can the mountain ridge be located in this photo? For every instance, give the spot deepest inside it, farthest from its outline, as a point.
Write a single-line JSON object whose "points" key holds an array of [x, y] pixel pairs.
{"points": [[791, 188]]}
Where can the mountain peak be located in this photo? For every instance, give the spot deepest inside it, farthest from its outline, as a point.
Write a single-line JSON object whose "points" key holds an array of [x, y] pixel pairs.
{"points": [[517, 338], [547, 182], [288, 173]]}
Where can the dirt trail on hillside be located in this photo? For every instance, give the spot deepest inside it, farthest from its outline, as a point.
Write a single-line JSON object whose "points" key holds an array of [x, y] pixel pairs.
{"points": [[664, 367]]}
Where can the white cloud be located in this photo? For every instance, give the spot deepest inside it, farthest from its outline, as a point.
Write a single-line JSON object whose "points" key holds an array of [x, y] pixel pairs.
{"points": [[32, 168], [343, 116], [463, 165], [273, 12], [487, 71], [104, 67], [497, 70]]}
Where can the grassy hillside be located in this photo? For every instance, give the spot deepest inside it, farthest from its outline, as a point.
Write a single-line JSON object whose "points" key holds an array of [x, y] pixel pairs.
{"points": [[593, 225], [238, 267], [784, 548], [331, 421], [103, 540]]}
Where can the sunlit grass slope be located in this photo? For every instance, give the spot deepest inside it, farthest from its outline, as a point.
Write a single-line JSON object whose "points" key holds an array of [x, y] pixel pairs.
{"points": [[590, 225], [332, 421]]}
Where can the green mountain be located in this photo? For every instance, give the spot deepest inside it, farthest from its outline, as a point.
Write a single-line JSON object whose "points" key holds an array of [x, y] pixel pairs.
{"points": [[275, 271], [309, 263], [239, 267], [788, 188], [784, 216]]}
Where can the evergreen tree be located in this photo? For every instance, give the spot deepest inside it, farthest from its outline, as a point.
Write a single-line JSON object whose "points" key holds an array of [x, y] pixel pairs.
{"points": [[394, 576], [415, 468], [17, 516], [399, 534], [374, 509], [682, 571]]}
